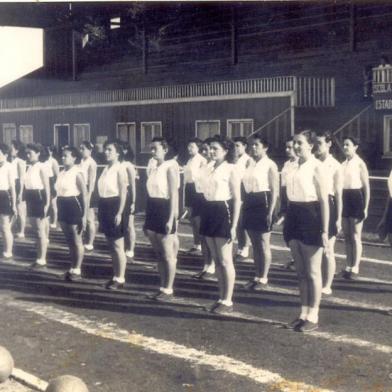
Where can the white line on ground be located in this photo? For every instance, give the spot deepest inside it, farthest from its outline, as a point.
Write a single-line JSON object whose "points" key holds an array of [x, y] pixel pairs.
{"points": [[29, 380], [217, 362]]}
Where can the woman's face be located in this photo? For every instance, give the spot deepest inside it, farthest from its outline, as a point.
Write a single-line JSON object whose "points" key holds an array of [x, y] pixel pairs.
{"points": [[321, 146], [193, 149], [68, 159], [240, 149], [206, 151], [3, 157], [32, 156], [111, 153], [84, 151], [349, 148], [258, 149], [218, 153], [290, 149], [302, 147], [158, 152]]}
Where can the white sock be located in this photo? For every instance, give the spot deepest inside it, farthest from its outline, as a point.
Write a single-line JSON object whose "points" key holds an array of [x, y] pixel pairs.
{"points": [[227, 302], [256, 279], [166, 291], [40, 262], [355, 270], [304, 312], [7, 254], [348, 269], [118, 280], [75, 271], [313, 315], [245, 251], [210, 268], [263, 280]]}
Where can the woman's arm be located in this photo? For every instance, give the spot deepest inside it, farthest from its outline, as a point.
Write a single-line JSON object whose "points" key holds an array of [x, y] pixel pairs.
{"points": [[172, 178], [322, 195], [55, 168], [132, 183], [11, 181], [366, 187], [121, 181], [92, 176], [81, 185], [45, 181], [235, 187], [273, 182], [338, 192], [21, 168]]}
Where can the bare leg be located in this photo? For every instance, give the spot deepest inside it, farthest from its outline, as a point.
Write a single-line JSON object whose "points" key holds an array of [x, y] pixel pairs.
{"points": [[53, 204], [329, 266], [348, 241], [91, 229], [21, 207], [224, 251], [169, 259], [214, 254], [8, 238], [131, 235], [195, 222], [356, 228], [119, 259], [41, 225]]}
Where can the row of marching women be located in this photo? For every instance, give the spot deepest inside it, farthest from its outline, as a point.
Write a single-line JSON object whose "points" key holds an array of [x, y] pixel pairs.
{"points": [[228, 195]]}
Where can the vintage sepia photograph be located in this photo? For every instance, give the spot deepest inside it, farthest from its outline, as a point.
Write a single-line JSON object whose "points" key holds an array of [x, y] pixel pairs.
{"points": [[196, 196]]}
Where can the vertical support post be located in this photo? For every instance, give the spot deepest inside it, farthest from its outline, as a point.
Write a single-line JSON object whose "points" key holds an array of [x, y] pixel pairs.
{"points": [[74, 56], [353, 43], [144, 49], [234, 41]]}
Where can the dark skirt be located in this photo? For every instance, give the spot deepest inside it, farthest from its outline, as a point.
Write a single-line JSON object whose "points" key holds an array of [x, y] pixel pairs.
{"points": [[53, 192], [107, 211], [5, 203], [388, 221], [353, 204], [303, 223], [35, 202], [157, 215], [333, 214], [255, 211], [216, 219], [70, 210]]}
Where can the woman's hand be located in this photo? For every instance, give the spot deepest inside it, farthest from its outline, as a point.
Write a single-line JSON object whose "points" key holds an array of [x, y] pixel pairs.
{"points": [[168, 226], [233, 234], [269, 220], [84, 223], [117, 219], [365, 213], [339, 225], [46, 210]]}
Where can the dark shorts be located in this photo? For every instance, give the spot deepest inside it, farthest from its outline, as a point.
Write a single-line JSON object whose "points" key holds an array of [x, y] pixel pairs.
{"points": [[303, 223], [353, 204], [332, 229], [70, 210], [198, 204], [255, 211], [35, 203], [216, 219], [107, 211], [157, 215], [5, 203]]}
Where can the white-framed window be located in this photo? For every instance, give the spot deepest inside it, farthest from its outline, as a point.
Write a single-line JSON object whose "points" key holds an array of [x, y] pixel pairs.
{"points": [[126, 132], [239, 127], [387, 142], [149, 130], [26, 134], [9, 133], [61, 135], [81, 132], [207, 128]]}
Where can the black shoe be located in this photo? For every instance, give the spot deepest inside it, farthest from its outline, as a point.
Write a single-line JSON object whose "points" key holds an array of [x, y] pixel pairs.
{"points": [[260, 286], [213, 306], [295, 324], [353, 276], [249, 285], [160, 296], [345, 274], [114, 285], [307, 326], [290, 266], [72, 277], [223, 309]]}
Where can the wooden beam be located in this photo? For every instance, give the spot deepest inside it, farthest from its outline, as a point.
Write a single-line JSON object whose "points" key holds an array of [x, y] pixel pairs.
{"points": [[234, 40], [353, 38]]}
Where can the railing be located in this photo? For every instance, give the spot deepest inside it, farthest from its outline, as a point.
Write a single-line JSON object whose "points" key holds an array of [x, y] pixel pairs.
{"points": [[308, 92], [382, 74]]}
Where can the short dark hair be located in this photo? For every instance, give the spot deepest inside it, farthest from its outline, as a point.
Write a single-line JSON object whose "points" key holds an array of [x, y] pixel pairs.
{"points": [[353, 139], [228, 145], [117, 146], [87, 144], [327, 135], [308, 134], [74, 152], [39, 149], [162, 141], [4, 148], [261, 138], [241, 139], [197, 141], [208, 141]]}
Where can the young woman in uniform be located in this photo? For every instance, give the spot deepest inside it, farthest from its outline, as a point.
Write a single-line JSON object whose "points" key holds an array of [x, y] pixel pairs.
{"points": [[88, 167], [261, 186], [356, 197], [208, 270], [161, 215], [191, 172], [242, 161], [37, 197], [53, 172], [112, 217], [306, 228], [333, 177], [220, 216], [18, 164], [130, 235], [7, 200], [71, 205]]}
